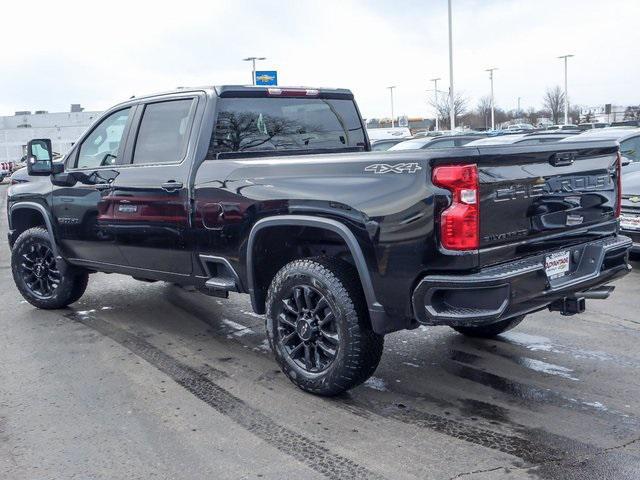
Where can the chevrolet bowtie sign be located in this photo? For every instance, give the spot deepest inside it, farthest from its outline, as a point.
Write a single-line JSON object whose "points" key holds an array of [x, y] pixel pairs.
{"points": [[267, 77]]}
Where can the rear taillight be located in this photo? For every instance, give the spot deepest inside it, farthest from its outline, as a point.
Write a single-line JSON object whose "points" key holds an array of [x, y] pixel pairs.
{"points": [[460, 222], [619, 185]]}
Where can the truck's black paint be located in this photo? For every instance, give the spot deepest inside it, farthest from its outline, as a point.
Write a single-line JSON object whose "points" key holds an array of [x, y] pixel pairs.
{"points": [[241, 217]]}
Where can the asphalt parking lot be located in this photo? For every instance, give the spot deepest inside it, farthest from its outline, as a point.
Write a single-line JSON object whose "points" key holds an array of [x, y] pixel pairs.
{"points": [[146, 380]]}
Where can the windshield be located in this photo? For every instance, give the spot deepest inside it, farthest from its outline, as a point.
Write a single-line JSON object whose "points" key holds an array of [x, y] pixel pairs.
{"points": [[272, 124]]}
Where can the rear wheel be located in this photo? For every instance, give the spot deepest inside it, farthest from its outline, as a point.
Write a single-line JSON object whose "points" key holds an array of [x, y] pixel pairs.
{"points": [[39, 278], [318, 326], [491, 330]]}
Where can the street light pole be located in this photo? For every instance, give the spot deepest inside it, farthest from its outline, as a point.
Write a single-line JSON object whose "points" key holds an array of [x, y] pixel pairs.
{"points": [[566, 93], [435, 92], [253, 67], [452, 116], [391, 92], [493, 121]]}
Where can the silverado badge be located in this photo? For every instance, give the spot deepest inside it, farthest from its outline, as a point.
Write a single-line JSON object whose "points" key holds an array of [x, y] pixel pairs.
{"points": [[395, 168]]}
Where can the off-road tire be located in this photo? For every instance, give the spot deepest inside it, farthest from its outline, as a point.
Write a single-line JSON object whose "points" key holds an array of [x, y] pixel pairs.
{"points": [[491, 330], [73, 280], [359, 348]]}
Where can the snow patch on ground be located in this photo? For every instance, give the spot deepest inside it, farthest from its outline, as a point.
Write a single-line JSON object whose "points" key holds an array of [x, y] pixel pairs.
{"points": [[550, 368], [240, 330], [376, 383]]}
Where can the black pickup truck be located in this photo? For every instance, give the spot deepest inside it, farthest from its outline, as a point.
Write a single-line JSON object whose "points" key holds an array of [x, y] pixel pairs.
{"points": [[274, 192]]}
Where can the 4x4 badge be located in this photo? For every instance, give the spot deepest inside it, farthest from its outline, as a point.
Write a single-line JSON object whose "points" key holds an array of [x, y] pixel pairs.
{"points": [[395, 168]]}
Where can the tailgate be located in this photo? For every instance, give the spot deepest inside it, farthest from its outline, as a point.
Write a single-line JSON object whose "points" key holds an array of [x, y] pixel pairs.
{"points": [[543, 197]]}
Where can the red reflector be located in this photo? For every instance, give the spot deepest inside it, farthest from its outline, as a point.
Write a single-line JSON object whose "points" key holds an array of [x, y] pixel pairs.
{"points": [[619, 185], [460, 222]]}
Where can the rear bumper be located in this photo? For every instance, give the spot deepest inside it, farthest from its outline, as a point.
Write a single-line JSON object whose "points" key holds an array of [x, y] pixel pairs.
{"points": [[518, 287]]}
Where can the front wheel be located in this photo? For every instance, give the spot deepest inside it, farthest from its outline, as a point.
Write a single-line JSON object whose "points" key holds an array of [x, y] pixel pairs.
{"points": [[41, 281], [491, 330], [318, 326]]}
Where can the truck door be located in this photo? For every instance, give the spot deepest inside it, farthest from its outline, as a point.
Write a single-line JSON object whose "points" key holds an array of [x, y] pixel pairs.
{"points": [[82, 208], [151, 194]]}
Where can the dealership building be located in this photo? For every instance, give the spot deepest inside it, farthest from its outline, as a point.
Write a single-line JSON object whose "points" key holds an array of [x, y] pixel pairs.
{"points": [[63, 128]]}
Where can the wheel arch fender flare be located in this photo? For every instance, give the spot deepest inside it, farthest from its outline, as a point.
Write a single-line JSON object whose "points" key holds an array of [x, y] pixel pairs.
{"points": [[47, 221], [319, 222]]}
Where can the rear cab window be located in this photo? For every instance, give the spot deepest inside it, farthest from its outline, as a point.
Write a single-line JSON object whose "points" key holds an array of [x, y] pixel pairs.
{"points": [[276, 124]]}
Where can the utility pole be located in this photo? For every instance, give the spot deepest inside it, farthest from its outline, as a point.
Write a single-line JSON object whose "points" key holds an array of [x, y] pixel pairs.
{"points": [[493, 120], [518, 106], [566, 93], [391, 92], [435, 92], [253, 67], [452, 115]]}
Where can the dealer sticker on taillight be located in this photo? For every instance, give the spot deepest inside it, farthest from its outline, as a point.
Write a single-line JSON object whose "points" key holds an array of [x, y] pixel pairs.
{"points": [[629, 221], [557, 265]]}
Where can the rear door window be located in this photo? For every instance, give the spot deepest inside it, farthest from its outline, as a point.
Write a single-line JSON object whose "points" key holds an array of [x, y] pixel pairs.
{"points": [[163, 133]]}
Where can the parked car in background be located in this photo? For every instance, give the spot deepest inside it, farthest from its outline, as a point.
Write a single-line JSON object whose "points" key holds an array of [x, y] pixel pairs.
{"points": [[629, 139], [447, 141], [563, 127], [428, 133], [630, 209], [523, 139], [590, 126], [387, 133], [497, 140], [520, 127], [6, 169], [382, 145], [626, 123]]}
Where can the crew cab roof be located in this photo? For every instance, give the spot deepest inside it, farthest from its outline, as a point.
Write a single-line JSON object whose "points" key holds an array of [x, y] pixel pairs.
{"points": [[243, 91]]}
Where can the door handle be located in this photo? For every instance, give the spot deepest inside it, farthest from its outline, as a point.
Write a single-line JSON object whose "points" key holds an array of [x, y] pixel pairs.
{"points": [[102, 186], [171, 186]]}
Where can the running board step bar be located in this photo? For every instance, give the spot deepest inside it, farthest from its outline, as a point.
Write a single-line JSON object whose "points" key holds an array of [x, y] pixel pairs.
{"points": [[217, 283]]}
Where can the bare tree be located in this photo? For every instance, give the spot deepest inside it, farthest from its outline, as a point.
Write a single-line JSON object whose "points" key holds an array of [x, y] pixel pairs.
{"points": [[589, 117], [632, 113], [532, 116], [553, 102], [484, 110], [460, 103]]}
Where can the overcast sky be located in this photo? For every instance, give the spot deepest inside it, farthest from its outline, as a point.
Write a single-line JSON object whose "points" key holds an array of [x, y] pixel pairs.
{"points": [[55, 53]]}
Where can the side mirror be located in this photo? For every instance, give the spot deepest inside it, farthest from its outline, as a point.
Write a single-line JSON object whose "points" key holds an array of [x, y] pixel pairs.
{"points": [[624, 160], [39, 157]]}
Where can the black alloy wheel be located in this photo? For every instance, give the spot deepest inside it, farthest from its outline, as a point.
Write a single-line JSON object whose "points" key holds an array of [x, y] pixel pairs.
{"points": [[42, 279], [318, 325], [39, 270], [307, 329]]}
